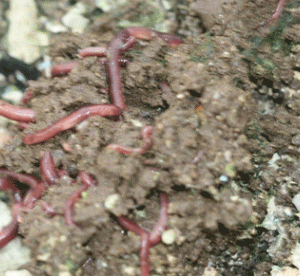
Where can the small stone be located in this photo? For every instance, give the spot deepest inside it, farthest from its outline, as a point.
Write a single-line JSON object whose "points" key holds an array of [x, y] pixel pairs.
{"points": [[23, 272], [114, 204], [296, 201], [22, 36], [284, 271], [168, 236], [14, 254], [75, 20], [296, 140], [4, 137], [108, 5], [55, 27], [210, 271], [129, 270], [296, 75], [12, 95], [223, 178]]}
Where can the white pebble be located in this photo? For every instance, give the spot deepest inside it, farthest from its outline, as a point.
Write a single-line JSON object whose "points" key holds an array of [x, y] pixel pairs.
{"points": [[168, 236], [296, 201], [23, 272]]}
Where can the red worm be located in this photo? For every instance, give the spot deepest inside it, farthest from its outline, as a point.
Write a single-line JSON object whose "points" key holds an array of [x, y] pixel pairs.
{"points": [[7, 184], [123, 41], [148, 239], [23, 178], [9, 232], [114, 51], [93, 51], [33, 195], [16, 113], [278, 11], [48, 208], [63, 68], [147, 137], [88, 182], [144, 254], [71, 120], [27, 95], [48, 169], [161, 224], [35, 191], [36, 187], [148, 34]]}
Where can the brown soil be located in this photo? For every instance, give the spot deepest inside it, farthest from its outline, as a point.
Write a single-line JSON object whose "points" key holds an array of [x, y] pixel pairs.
{"points": [[231, 103]]}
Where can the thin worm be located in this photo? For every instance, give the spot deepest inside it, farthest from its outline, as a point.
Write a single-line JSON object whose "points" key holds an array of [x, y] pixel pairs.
{"points": [[147, 137], [93, 51], [161, 224], [7, 184], [8, 233], [48, 169], [33, 195], [71, 120], [16, 113], [148, 239], [31, 181], [129, 225], [88, 181], [63, 68], [144, 255], [279, 10]]}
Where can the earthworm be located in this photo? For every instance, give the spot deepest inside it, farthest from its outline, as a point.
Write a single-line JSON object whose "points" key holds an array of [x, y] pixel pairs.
{"points": [[93, 51], [147, 137], [278, 11], [35, 191], [36, 187], [149, 34], [48, 208], [160, 226], [31, 181], [71, 120], [148, 239], [27, 95], [144, 254], [33, 195], [63, 68], [66, 67], [8, 233], [88, 182], [123, 41], [115, 48], [7, 184], [48, 169], [16, 113]]}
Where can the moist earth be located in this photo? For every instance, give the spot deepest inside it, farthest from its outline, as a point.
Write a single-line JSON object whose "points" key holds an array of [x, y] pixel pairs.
{"points": [[221, 104]]}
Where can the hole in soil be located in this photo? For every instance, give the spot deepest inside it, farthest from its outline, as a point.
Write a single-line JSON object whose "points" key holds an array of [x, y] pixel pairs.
{"points": [[245, 242], [195, 93], [179, 188], [245, 178], [266, 137], [206, 194], [277, 97], [223, 230]]}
